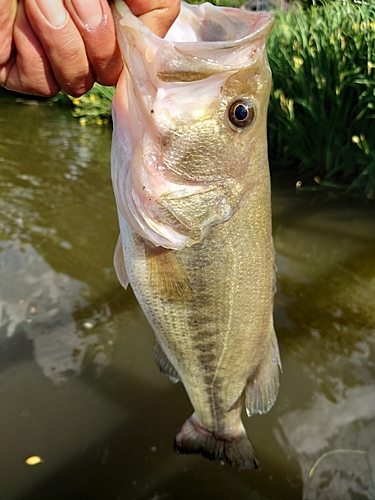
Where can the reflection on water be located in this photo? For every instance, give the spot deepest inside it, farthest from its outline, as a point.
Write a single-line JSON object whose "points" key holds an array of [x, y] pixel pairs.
{"points": [[334, 443], [326, 313], [78, 384], [39, 304]]}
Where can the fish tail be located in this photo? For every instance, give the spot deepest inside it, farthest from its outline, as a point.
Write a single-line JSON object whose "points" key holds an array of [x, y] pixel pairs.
{"points": [[236, 450]]}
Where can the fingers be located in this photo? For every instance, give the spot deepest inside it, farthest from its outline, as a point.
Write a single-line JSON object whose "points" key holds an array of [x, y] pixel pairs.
{"points": [[8, 10], [94, 21], [27, 68], [62, 44], [48, 45]]}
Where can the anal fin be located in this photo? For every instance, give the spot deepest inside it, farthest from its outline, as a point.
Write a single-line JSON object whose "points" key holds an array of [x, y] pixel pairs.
{"points": [[263, 385], [165, 366]]}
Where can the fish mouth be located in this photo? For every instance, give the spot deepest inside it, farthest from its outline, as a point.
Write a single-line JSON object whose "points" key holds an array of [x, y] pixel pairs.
{"points": [[222, 27], [203, 41]]}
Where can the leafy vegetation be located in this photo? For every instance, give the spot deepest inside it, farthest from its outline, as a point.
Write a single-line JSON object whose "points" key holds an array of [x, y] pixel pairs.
{"points": [[93, 107], [322, 107]]}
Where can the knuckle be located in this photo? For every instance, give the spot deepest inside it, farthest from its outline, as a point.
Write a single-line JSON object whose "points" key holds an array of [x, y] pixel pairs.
{"points": [[77, 87]]}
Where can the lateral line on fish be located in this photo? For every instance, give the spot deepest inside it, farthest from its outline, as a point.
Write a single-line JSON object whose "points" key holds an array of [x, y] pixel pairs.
{"points": [[230, 315]]}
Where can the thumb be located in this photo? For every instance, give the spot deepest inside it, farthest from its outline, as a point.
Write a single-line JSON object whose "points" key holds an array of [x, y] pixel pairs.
{"points": [[158, 15]]}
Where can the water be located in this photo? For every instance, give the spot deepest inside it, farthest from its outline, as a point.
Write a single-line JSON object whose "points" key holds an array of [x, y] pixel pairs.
{"points": [[78, 384]]}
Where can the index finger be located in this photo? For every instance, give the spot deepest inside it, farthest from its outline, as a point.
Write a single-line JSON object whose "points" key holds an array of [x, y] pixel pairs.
{"points": [[97, 29]]}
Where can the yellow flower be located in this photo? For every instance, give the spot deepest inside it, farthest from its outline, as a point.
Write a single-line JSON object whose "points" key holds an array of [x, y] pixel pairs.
{"points": [[298, 61], [296, 45]]}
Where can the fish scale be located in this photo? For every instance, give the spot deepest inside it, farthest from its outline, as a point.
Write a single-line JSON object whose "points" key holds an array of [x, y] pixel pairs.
{"points": [[195, 216]]}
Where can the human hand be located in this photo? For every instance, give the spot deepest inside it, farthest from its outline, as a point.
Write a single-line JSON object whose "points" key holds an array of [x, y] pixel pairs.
{"points": [[52, 45]]}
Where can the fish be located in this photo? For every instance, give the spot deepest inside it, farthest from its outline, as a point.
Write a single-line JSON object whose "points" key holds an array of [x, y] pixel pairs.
{"points": [[191, 181]]}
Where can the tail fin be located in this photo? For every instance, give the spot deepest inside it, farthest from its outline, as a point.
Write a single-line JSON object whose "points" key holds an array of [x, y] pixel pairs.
{"points": [[236, 450]]}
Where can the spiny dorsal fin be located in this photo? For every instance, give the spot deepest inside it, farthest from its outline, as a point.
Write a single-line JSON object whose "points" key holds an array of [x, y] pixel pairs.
{"points": [[165, 366], [263, 385], [166, 274]]}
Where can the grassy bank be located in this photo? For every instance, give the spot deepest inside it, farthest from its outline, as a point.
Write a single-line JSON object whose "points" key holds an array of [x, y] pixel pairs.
{"points": [[321, 115]]}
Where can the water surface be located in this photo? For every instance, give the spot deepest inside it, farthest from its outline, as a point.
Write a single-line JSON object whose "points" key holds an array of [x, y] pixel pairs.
{"points": [[78, 384]]}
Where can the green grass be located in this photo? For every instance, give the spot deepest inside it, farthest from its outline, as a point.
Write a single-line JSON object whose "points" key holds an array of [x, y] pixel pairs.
{"points": [[321, 114]]}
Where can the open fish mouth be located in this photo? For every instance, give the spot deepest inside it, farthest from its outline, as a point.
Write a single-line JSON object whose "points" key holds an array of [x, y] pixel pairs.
{"points": [[218, 37]]}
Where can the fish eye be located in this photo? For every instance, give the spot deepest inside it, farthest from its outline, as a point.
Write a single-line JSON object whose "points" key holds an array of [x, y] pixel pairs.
{"points": [[241, 113]]}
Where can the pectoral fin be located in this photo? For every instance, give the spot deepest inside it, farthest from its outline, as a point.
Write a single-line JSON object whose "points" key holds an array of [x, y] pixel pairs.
{"points": [[166, 275], [165, 366], [263, 385], [119, 264]]}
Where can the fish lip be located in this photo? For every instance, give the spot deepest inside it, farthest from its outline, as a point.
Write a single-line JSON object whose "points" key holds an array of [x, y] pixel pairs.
{"points": [[259, 33], [243, 37], [260, 29]]}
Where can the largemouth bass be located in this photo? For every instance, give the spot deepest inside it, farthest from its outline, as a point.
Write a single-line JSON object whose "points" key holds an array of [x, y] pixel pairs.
{"points": [[191, 181]]}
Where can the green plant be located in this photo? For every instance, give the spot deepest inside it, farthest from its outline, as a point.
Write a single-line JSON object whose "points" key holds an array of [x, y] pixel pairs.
{"points": [[95, 105], [321, 114]]}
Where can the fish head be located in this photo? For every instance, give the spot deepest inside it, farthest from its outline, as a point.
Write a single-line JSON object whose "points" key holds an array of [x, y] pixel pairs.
{"points": [[190, 120], [206, 130]]}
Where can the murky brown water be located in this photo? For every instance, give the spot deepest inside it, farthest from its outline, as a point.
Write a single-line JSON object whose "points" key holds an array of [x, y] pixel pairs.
{"points": [[78, 384]]}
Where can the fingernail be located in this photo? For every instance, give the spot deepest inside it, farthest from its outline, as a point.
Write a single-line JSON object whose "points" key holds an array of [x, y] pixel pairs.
{"points": [[89, 11], [54, 11]]}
